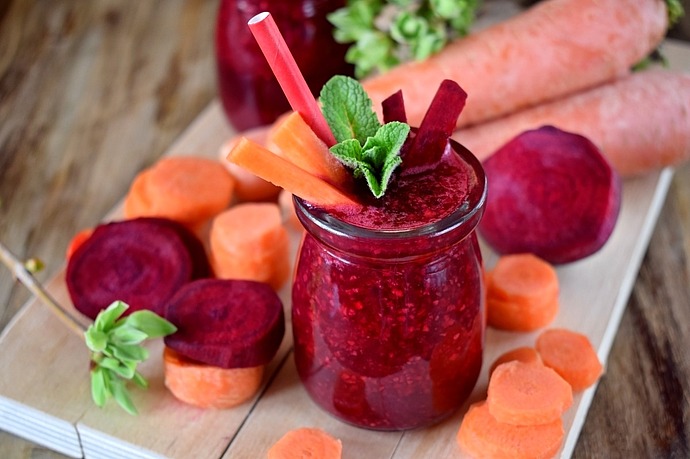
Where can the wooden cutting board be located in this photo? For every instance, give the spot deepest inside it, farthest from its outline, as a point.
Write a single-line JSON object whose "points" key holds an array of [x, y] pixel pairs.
{"points": [[44, 385]]}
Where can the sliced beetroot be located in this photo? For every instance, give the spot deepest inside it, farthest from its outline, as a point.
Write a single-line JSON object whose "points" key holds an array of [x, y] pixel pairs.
{"points": [[437, 126], [226, 323], [394, 108], [550, 193], [142, 262]]}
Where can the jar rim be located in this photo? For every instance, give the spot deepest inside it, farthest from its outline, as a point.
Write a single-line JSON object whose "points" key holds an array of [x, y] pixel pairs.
{"points": [[470, 210]]}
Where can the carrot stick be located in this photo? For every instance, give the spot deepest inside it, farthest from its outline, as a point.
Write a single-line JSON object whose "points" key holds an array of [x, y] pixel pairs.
{"points": [[285, 69], [248, 187], [571, 355], [284, 174], [298, 143], [287, 209], [481, 435], [640, 123], [526, 394], [207, 386], [522, 293], [535, 56], [306, 443], [523, 354], [249, 241], [187, 189]]}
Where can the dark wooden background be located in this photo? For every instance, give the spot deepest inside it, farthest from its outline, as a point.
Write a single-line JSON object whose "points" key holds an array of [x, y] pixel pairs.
{"points": [[91, 91]]}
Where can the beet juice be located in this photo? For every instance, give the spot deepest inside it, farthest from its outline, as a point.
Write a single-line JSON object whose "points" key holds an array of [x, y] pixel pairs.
{"points": [[249, 92], [388, 311]]}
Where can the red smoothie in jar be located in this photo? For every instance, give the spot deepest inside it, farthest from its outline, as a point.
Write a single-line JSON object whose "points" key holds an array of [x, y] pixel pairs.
{"points": [[388, 314]]}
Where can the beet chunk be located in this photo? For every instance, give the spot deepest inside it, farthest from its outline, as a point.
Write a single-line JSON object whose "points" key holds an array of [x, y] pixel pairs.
{"points": [[142, 262], [550, 193], [226, 323]]}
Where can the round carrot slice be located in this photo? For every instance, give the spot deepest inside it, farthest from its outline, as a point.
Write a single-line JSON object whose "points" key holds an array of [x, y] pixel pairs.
{"points": [[226, 323], [527, 394], [306, 442], [207, 386], [481, 435], [571, 355], [524, 354]]}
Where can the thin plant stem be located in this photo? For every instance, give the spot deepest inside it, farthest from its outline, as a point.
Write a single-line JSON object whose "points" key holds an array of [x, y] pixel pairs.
{"points": [[35, 287]]}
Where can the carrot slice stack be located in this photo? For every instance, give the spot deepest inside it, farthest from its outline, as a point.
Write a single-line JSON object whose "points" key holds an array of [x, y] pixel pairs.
{"points": [[522, 293], [249, 241]]}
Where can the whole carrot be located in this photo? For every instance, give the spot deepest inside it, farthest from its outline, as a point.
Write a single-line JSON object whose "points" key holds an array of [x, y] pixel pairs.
{"points": [[554, 48], [640, 122]]}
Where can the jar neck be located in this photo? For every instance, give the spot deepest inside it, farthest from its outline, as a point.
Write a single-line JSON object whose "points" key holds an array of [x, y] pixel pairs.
{"points": [[405, 242]]}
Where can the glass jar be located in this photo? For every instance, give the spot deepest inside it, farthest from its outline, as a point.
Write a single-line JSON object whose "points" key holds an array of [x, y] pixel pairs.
{"points": [[250, 94], [389, 324]]}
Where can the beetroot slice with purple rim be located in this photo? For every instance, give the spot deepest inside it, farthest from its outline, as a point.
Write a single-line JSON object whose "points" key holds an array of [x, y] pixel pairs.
{"points": [[142, 262], [201, 267], [226, 323], [550, 193]]}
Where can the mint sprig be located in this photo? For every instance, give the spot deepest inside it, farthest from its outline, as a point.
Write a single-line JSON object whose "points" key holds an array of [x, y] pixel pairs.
{"points": [[372, 150], [386, 33], [116, 351]]}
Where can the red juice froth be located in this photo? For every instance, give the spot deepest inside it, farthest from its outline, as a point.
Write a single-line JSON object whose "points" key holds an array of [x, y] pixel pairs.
{"points": [[388, 303]]}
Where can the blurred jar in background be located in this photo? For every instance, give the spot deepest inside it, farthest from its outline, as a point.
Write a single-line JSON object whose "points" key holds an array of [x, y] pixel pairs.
{"points": [[249, 92]]}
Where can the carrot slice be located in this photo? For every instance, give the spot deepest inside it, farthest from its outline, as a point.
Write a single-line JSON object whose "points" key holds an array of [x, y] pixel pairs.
{"points": [[522, 293], [526, 394], [297, 143], [249, 241], [524, 354], [77, 241], [283, 173], [207, 386], [248, 187], [481, 435], [186, 189], [571, 355], [306, 442]]}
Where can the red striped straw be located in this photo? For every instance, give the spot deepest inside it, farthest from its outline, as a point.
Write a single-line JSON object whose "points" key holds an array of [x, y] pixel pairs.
{"points": [[285, 69]]}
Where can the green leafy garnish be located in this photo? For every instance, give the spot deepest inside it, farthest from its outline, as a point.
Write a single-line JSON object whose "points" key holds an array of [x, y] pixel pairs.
{"points": [[116, 351], [675, 11], [386, 33], [372, 150]]}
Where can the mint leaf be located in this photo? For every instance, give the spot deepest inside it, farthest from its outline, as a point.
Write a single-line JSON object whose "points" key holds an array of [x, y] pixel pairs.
{"points": [[151, 324], [347, 109], [106, 318]]}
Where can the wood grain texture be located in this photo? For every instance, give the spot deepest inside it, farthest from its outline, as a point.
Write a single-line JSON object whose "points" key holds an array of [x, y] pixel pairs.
{"points": [[93, 91]]}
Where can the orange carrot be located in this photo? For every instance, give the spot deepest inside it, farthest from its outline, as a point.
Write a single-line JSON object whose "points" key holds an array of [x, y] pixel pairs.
{"points": [[248, 187], [571, 355], [481, 435], [207, 386], [522, 293], [77, 241], [526, 394], [249, 241], [186, 189], [306, 442], [641, 122], [283, 173], [523, 354], [297, 143], [535, 56]]}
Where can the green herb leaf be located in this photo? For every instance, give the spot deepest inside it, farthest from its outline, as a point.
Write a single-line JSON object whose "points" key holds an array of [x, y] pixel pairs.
{"points": [[371, 150], [115, 347], [675, 11], [151, 324], [384, 33], [347, 109]]}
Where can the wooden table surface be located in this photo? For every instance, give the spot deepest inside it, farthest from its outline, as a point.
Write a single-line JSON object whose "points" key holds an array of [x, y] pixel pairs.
{"points": [[93, 91]]}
